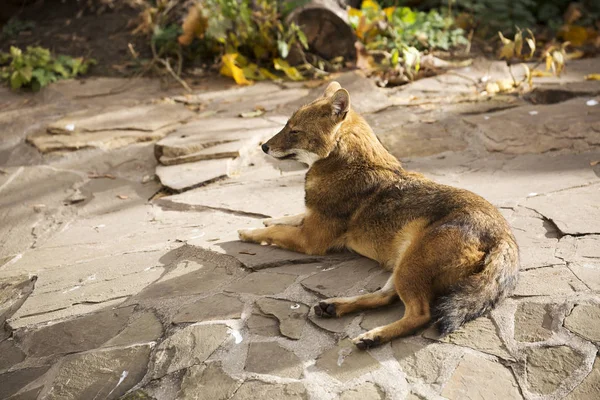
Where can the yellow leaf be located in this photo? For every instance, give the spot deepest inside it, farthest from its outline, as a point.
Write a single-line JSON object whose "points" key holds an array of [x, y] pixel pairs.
{"points": [[558, 59], [354, 12], [492, 88], [290, 72], [536, 73], [507, 51], [194, 25], [531, 44], [267, 74], [592, 77], [577, 54], [518, 43], [575, 34], [366, 4], [548, 61], [388, 12], [528, 75], [230, 69]]}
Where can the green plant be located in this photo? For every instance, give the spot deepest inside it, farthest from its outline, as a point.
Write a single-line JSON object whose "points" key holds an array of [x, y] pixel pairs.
{"points": [[15, 26], [400, 27], [250, 37], [36, 67]]}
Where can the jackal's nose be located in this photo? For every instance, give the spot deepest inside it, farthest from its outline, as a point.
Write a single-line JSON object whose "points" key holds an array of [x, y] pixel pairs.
{"points": [[265, 148]]}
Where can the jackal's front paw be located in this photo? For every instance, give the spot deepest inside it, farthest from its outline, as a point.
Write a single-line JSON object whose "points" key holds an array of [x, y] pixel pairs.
{"points": [[251, 236], [325, 310], [367, 340], [269, 222]]}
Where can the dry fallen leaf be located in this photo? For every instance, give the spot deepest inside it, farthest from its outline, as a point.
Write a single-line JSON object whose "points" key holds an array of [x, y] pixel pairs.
{"points": [[247, 252], [122, 196], [536, 73], [592, 77], [594, 163], [252, 114]]}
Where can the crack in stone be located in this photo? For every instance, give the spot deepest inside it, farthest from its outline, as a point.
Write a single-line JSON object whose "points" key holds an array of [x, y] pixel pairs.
{"points": [[169, 205]]}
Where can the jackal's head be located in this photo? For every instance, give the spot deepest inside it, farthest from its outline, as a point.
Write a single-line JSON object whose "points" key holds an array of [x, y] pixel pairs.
{"points": [[310, 134]]}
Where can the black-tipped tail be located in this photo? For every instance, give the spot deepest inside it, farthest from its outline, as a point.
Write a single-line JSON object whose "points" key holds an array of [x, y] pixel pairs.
{"points": [[480, 292]]}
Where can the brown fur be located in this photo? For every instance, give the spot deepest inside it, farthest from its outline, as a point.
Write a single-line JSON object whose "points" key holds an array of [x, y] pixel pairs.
{"points": [[451, 253]]}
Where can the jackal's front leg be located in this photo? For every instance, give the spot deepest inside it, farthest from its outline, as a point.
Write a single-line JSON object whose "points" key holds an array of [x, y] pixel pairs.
{"points": [[287, 237], [292, 220]]}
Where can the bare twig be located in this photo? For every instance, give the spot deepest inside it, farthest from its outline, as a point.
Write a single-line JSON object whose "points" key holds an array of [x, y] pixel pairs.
{"points": [[165, 62]]}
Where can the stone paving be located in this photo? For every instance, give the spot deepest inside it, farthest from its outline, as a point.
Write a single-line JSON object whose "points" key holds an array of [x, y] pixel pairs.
{"points": [[121, 275]]}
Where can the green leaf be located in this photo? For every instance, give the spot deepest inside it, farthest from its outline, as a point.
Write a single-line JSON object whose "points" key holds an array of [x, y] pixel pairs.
{"points": [[303, 39], [283, 48], [395, 57]]}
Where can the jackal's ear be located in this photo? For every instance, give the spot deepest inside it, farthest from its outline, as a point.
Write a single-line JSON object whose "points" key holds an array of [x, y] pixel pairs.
{"points": [[340, 102], [331, 89]]}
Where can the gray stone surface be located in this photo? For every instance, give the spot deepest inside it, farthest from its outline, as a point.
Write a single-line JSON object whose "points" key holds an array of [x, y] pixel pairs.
{"points": [[131, 278], [262, 283], [339, 279], [182, 177], [555, 206], [261, 325], [345, 362], [215, 307], [548, 281], [480, 334], [14, 381], [103, 373], [366, 391], [189, 346], [533, 323], [76, 335], [261, 390], [589, 389], [585, 321], [424, 362], [207, 382], [273, 359], [291, 315], [549, 367], [478, 378]]}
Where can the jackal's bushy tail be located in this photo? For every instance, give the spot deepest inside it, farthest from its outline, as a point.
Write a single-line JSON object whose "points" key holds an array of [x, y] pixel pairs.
{"points": [[480, 292]]}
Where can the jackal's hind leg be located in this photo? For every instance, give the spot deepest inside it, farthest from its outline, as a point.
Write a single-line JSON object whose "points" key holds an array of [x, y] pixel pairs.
{"points": [[336, 307]]}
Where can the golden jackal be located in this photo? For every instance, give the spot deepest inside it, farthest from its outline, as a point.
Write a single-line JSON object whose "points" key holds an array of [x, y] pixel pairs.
{"points": [[451, 253]]}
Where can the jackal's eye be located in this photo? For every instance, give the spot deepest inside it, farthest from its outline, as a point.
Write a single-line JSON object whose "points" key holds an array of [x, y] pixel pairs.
{"points": [[294, 132]]}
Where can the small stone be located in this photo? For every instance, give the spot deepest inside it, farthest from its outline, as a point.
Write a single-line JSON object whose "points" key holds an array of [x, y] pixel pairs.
{"points": [[262, 283], [345, 361], [337, 281], [217, 307], [272, 359], [189, 346], [532, 323], [589, 389], [479, 334], [13, 381], [76, 335], [366, 391], [478, 378], [557, 280], [251, 390], [420, 361], [76, 197], [105, 374], [263, 326], [291, 318], [548, 367], [142, 329], [585, 321], [207, 382]]}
